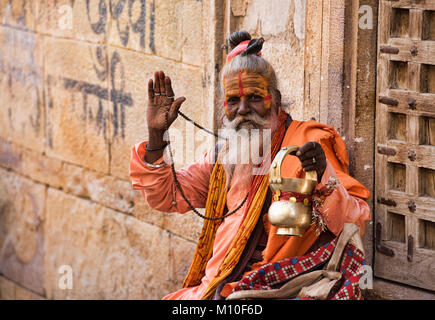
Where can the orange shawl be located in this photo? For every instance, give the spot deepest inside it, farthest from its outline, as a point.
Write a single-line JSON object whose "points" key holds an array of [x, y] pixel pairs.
{"points": [[278, 247], [299, 133]]}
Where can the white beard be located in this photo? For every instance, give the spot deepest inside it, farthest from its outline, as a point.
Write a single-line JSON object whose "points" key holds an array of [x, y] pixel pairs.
{"points": [[244, 138]]}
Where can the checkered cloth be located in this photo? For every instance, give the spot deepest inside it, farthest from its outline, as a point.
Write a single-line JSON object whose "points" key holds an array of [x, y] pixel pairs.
{"points": [[274, 275]]}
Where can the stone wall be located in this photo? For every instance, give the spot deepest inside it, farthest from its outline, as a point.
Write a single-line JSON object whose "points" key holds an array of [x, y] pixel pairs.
{"points": [[73, 90], [73, 95]]}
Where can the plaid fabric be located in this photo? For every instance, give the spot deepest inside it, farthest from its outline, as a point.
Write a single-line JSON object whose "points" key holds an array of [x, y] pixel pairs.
{"points": [[274, 275], [352, 270]]}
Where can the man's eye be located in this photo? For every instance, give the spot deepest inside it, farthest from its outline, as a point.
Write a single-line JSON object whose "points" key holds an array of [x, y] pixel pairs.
{"points": [[254, 97], [233, 100]]}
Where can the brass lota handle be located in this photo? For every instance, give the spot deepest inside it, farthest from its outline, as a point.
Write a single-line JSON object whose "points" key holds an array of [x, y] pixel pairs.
{"points": [[275, 171]]}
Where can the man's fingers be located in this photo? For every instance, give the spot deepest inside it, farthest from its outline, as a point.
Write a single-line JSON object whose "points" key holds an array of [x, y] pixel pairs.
{"points": [[150, 89], [177, 104], [308, 162], [162, 82], [306, 147], [168, 87], [309, 154], [175, 107], [310, 168], [319, 159], [156, 83]]}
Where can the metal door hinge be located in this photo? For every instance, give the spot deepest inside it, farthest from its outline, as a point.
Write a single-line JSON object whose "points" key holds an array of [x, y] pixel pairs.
{"points": [[387, 202], [386, 150], [410, 248], [388, 100], [378, 240], [389, 49]]}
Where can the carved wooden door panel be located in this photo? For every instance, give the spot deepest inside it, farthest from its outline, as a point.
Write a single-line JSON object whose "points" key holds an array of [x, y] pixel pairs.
{"points": [[405, 143]]}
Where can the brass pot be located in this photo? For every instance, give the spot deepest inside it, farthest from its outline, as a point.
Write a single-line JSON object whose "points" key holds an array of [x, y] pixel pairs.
{"points": [[291, 217]]}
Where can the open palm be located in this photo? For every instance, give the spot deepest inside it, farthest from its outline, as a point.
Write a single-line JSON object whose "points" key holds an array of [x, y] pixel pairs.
{"points": [[161, 102]]}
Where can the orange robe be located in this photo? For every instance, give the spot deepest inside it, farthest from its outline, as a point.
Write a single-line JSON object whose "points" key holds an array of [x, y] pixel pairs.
{"points": [[345, 204]]}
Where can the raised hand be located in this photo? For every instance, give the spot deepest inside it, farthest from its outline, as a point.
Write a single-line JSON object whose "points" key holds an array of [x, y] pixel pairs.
{"points": [[161, 101], [312, 157]]}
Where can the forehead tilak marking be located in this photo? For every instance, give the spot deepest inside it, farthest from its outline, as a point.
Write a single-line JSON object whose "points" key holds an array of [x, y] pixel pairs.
{"points": [[241, 85], [245, 80]]}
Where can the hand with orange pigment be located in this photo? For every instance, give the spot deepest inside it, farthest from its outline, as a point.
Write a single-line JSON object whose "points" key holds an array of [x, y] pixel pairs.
{"points": [[160, 102], [312, 157]]}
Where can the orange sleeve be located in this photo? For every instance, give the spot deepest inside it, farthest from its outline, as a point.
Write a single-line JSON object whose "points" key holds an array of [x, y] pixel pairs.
{"points": [[347, 202], [341, 207], [335, 151], [157, 184]]}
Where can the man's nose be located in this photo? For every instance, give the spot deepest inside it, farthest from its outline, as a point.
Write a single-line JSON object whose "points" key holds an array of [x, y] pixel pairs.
{"points": [[243, 107]]}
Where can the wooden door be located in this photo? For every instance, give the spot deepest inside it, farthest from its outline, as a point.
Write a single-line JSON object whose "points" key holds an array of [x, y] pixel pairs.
{"points": [[405, 143]]}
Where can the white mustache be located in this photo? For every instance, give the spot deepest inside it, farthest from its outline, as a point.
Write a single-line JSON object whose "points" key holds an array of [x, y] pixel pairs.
{"points": [[259, 121]]}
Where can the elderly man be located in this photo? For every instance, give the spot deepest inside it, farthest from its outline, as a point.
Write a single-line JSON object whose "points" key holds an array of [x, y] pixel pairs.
{"points": [[244, 240]]}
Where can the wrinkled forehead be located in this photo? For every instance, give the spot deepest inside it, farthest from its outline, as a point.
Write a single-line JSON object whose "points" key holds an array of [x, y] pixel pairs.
{"points": [[250, 81]]}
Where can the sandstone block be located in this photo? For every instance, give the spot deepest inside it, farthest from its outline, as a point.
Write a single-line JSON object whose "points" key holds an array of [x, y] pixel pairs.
{"points": [[31, 164], [22, 205], [110, 191], [11, 291], [42, 168], [77, 104], [21, 88], [189, 83], [73, 180], [81, 20], [130, 78], [21, 14], [157, 27], [149, 270], [169, 29], [7, 289], [106, 190], [192, 26], [187, 225], [133, 25], [262, 16], [10, 155], [112, 256], [238, 8], [24, 294], [289, 83], [129, 81], [181, 255], [98, 187]]}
